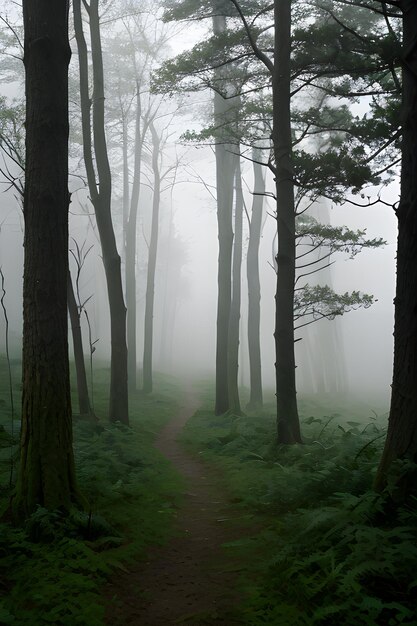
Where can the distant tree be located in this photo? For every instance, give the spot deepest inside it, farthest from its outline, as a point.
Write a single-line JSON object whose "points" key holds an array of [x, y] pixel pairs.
{"points": [[160, 178], [290, 63], [75, 308], [133, 51], [234, 318], [46, 472], [12, 148], [153, 250], [254, 286]]}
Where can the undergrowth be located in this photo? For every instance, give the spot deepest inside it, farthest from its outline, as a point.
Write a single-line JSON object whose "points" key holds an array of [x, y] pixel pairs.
{"points": [[53, 570], [328, 553]]}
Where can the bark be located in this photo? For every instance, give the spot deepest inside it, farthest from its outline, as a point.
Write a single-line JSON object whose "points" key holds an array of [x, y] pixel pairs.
{"points": [[82, 386], [153, 250], [224, 186], [46, 473], [234, 320], [100, 193], [401, 442], [287, 412], [254, 288], [130, 238]]}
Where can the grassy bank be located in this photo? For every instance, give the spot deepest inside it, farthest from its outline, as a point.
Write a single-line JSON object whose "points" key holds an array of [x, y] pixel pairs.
{"points": [[54, 569], [326, 553]]}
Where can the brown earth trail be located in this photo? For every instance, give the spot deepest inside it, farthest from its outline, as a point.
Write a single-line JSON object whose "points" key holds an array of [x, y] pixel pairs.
{"points": [[190, 580]]}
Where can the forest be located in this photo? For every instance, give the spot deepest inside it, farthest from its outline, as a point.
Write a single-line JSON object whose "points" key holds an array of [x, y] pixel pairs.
{"points": [[208, 312]]}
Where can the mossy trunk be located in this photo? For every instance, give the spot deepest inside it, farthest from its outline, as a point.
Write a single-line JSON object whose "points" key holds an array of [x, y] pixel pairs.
{"points": [[46, 473], [401, 442]]}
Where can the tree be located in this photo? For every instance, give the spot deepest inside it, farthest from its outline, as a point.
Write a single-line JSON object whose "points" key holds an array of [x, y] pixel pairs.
{"points": [[160, 175], [401, 442], [46, 473], [234, 317], [153, 249], [100, 193], [224, 185], [12, 140], [75, 309], [290, 64], [254, 286], [133, 51]]}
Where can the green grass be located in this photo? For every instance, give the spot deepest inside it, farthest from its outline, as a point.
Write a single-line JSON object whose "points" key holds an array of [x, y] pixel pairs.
{"points": [[325, 551], [54, 569]]}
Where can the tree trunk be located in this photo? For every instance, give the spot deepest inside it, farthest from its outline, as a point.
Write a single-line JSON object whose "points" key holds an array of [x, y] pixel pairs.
{"points": [[287, 412], [46, 473], [153, 249], [234, 320], [126, 186], [130, 238], [101, 198], [82, 386], [401, 442], [224, 186], [254, 288]]}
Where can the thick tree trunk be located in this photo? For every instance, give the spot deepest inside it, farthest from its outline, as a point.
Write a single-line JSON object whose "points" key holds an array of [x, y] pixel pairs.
{"points": [[234, 320], [224, 186], [153, 250], [46, 473], [401, 442], [101, 199], [254, 288], [82, 386], [287, 412], [130, 238]]}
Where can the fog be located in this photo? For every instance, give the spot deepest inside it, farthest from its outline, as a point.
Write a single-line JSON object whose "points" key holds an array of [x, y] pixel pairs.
{"points": [[186, 274]]}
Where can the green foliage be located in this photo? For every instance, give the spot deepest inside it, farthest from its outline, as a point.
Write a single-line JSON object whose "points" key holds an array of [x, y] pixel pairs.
{"points": [[315, 302], [53, 570], [335, 238], [330, 552]]}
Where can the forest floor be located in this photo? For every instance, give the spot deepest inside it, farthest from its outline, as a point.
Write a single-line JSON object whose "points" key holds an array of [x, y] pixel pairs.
{"points": [[190, 580]]}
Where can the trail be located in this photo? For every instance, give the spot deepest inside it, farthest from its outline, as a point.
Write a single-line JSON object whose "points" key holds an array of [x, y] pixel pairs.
{"points": [[186, 581]]}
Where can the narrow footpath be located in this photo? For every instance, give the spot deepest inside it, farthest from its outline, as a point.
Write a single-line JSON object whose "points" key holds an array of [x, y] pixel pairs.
{"points": [[191, 580]]}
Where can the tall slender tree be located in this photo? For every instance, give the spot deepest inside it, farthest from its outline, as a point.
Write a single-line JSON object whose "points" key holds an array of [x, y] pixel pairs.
{"points": [[287, 410], [96, 158], [224, 185], [46, 473], [254, 286], [153, 250], [234, 318]]}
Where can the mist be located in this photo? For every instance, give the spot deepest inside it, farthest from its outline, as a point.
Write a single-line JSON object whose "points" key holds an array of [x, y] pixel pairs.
{"points": [[207, 220]]}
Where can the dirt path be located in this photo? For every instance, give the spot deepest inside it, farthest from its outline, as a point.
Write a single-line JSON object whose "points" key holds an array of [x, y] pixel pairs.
{"points": [[185, 582]]}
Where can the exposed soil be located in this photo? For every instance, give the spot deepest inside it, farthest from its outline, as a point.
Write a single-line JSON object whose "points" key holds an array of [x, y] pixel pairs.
{"points": [[190, 580]]}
